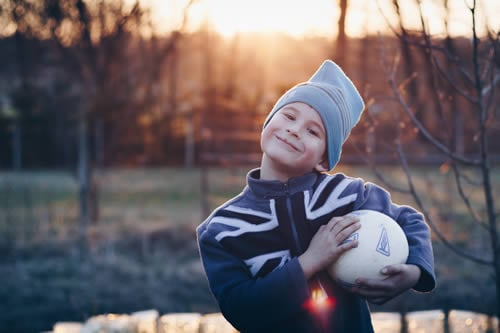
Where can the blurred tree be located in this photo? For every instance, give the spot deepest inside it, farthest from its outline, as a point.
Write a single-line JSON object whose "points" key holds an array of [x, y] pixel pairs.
{"points": [[459, 85], [164, 54], [94, 43], [208, 108], [90, 38], [25, 65], [10, 113], [341, 46]]}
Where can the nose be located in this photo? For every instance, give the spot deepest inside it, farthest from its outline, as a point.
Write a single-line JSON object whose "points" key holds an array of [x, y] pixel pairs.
{"points": [[293, 129]]}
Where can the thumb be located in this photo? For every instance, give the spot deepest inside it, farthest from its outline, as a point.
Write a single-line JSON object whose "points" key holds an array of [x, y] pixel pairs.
{"points": [[392, 269]]}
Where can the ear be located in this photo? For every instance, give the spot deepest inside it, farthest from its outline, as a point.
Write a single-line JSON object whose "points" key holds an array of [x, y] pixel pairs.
{"points": [[322, 166]]}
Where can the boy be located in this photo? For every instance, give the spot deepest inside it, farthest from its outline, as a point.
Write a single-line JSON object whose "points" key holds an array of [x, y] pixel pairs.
{"points": [[265, 251]]}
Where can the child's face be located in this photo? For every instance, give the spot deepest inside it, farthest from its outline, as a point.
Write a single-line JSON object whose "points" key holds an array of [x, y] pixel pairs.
{"points": [[294, 140]]}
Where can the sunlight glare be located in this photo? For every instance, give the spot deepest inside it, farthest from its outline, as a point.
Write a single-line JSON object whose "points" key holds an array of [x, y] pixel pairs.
{"points": [[298, 18], [294, 17]]}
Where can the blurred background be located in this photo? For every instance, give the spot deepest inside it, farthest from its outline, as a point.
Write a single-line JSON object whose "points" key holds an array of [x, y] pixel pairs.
{"points": [[124, 123]]}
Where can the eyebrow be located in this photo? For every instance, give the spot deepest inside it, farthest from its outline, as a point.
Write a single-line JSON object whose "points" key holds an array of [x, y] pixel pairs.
{"points": [[291, 107]]}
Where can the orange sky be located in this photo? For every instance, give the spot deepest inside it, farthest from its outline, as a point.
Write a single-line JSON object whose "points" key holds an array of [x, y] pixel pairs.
{"points": [[298, 17]]}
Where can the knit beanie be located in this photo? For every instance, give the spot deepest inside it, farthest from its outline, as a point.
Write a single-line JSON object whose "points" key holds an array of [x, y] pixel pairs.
{"points": [[333, 95]]}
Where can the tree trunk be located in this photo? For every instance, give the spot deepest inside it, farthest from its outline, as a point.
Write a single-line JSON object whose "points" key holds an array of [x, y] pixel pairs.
{"points": [[16, 145], [341, 44], [83, 179], [189, 141], [210, 93]]}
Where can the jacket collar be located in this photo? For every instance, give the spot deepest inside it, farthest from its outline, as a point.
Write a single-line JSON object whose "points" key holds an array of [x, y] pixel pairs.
{"points": [[274, 188]]}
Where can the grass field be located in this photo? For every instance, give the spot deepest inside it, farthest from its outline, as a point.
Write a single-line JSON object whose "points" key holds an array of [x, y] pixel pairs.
{"points": [[143, 248], [46, 203]]}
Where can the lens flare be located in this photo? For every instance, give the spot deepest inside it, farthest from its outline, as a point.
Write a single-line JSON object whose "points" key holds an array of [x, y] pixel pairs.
{"points": [[320, 306], [319, 301]]}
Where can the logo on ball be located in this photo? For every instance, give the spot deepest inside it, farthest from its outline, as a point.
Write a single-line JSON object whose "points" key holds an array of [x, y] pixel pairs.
{"points": [[383, 244]]}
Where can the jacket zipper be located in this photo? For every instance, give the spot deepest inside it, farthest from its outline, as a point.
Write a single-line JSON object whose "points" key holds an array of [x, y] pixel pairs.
{"points": [[293, 226]]}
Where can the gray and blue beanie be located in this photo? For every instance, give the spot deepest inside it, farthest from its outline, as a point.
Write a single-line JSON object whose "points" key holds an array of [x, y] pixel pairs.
{"points": [[333, 95]]}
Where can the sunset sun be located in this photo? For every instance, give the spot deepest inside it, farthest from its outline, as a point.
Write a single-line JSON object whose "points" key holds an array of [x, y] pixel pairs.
{"points": [[292, 17], [319, 17]]}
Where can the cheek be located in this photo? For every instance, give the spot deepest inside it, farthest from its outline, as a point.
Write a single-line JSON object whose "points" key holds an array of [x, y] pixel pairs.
{"points": [[273, 125], [265, 135], [318, 149]]}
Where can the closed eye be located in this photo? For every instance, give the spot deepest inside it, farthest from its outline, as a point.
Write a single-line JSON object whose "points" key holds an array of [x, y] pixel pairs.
{"points": [[313, 132], [289, 116]]}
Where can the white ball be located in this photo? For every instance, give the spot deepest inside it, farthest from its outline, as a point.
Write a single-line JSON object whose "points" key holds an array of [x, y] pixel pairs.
{"points": [[381, 242]]}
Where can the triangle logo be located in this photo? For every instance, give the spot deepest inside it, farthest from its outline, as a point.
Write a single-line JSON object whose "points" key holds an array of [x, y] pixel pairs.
{"points": [[383, 244]]}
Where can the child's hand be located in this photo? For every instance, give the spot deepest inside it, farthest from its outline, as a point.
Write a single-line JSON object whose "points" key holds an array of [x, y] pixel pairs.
{"points": [[326, 245], [399, 279]]}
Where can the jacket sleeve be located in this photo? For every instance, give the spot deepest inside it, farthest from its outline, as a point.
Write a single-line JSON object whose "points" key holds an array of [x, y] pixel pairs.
{"points": [[371, 196], [251, 304]]}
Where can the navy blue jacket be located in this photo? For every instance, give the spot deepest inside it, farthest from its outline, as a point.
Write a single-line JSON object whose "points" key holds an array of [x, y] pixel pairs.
{"points": [[250, 245]]}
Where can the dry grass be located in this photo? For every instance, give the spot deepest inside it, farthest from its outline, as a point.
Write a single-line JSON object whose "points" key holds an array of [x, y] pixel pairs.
{"points": [[41, 206]]}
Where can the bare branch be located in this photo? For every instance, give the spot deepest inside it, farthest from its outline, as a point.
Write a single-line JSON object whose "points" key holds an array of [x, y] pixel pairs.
{"points": [[490, 98], [452, 82], [494, 81], [422, 21], [471, 8], [474, 78], [380, 176], [415, 121], [428, 217], [176, 34], [386, 182], [464, 196], [444, 51], [430, 47], [185, 15], [425, 132], [387, 21], [435, 48], [470, 181]]}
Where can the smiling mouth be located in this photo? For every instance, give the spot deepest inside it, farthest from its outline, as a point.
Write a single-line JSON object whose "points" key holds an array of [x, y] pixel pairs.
{"points": [[288, 143]]}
